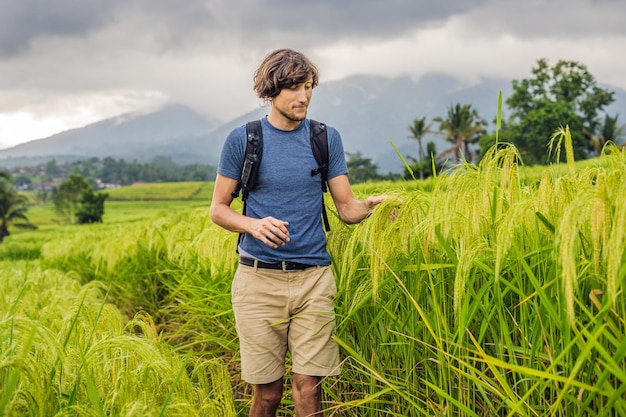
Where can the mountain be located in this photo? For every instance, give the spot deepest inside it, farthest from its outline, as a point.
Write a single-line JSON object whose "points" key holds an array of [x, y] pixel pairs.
{"points": [[368, 111], [130, 136]]}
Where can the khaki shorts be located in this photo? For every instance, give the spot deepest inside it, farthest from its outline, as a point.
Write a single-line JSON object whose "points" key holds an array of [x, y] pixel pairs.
{"points": [[278, 311]]}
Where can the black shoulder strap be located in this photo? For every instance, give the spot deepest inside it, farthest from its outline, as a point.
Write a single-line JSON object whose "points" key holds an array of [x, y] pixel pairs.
{"points": [[250, 169], [319, 146], [252, 160]]}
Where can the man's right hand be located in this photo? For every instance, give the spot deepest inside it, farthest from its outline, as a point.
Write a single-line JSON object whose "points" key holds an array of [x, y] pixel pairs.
{"points": [[271, 231]]}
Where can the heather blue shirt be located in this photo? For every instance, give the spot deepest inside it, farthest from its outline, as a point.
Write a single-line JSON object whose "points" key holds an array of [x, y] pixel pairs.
{"points": [[286, 190]]}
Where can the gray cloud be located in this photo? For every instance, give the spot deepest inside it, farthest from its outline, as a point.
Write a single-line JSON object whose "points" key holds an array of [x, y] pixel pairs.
{"points": [[235, 22], [203, 52], [24, 20], [251, 24], [329, 20], [532, 19]]}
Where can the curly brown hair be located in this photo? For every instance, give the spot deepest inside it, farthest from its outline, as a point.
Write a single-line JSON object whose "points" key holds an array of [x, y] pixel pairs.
{"points": [[280, 69]]}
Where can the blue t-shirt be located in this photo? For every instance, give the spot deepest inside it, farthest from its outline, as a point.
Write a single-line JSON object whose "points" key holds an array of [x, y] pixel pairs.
{"points": [[285, 189]]}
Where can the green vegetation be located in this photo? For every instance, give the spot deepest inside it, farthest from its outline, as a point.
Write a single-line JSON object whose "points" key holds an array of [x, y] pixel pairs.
{"points": [[199, 191], [65, 350], [361, 169], [565, 94], [559, 95], [12, 207], [112, 172], [488, 296], [609, 131], [461, 127], [497, 291], [418, 130], [75, 201]]}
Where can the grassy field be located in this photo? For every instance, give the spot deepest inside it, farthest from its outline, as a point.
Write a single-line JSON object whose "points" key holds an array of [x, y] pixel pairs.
{"points": [[499, 291], [175, 191], [125, 206]]}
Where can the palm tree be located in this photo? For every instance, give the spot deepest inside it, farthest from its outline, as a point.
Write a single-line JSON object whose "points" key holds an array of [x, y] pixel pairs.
{"points": [[610, 131], [12, 207], [462, 127], [418, 130]]}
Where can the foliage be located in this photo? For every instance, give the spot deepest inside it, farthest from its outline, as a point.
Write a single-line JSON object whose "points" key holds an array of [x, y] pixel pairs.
{"points": [[510, 303], [553, 114], [461, 127], [505, 134], [75, 199], [361, 169], [50, 169], [418, 130], [22, 182], [116, 172], [427, 167], [91, 208], [13, 207], [565, 94], [610, 131]]}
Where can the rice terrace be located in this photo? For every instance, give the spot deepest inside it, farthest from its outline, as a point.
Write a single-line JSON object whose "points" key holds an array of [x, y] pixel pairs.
{"points": [[497, 291]]}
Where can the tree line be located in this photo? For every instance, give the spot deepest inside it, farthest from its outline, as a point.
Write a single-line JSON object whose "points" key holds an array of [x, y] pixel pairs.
{"points": [[108, 172], [555, 96]]}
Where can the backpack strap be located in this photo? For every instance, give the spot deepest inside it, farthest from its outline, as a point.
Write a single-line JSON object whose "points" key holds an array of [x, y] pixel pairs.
{"points": [[254, 152], [250, 169], [319, 146]]}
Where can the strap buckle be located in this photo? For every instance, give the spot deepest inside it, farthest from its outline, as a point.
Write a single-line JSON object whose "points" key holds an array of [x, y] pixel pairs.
{"points": [[287, 266]]}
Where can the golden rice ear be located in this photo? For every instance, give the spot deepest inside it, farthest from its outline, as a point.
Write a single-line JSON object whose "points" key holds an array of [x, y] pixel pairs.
{"points": [[563, 137], [600, 222], [616, 244]]}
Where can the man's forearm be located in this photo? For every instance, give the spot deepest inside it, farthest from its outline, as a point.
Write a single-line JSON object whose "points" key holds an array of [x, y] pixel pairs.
{"points": [[355, 211], [224, 216]]}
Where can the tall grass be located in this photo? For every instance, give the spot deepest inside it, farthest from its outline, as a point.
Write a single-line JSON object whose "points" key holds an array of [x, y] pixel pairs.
{"points": [[488, 296], [498, 290], [64, 350]]}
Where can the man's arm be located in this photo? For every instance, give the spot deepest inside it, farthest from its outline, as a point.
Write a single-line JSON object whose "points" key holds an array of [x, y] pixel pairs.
{"points": [[350, 209], [271, 231]]}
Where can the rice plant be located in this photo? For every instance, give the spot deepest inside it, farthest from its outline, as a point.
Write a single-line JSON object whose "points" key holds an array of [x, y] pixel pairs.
{"points": [[498, 290], [490, 296], [66, 351]]}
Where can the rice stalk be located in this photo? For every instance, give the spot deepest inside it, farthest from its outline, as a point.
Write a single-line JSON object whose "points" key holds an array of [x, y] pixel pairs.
{"points": [[567, 238], [467, 255], [616, 250], [600, 224], [562, 136]]}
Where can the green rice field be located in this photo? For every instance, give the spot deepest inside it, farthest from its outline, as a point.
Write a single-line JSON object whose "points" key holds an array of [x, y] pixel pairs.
{"points": [[497, 291]]}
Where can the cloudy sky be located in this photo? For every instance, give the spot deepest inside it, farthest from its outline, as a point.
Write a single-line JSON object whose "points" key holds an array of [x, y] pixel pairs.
{"points": [[67, 63]]}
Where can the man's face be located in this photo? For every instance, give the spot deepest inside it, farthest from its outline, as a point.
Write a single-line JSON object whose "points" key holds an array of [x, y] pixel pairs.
{"points": [[292, 102]]}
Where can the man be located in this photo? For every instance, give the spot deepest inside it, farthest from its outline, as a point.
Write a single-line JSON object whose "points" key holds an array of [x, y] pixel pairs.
{"points": [[280, 306]]}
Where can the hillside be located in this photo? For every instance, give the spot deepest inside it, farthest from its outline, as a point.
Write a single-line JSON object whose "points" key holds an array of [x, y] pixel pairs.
{"points": [[130, 136]]}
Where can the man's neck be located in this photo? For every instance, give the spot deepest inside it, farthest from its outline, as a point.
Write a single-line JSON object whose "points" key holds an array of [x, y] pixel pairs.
{"points": [[279, 121]]}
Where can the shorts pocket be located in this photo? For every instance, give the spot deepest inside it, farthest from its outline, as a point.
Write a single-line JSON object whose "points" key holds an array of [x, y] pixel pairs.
{"points": [[238, 287]]}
